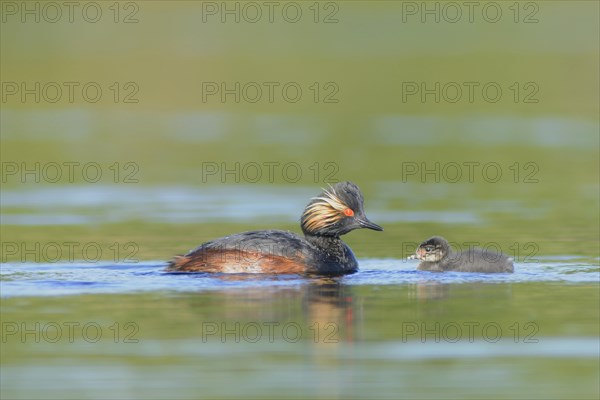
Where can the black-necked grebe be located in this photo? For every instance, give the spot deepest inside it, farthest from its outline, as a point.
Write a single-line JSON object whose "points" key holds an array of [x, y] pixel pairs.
{"points": [[436, 255], [333, 213]]}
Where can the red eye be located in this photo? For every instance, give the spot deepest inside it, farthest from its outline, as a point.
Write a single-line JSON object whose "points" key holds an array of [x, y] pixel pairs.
{"points": [[348, 212]]}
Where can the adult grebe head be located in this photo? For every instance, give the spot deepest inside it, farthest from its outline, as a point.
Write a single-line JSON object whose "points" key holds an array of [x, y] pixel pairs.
{"points": [[336, 211]]}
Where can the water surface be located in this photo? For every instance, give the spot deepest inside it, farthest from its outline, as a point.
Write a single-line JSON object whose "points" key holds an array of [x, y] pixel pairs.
{"points": [[106, 328]]}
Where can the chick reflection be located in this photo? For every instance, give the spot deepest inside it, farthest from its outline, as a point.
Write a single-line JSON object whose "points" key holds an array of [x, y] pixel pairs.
{"points": [[430, 291]]}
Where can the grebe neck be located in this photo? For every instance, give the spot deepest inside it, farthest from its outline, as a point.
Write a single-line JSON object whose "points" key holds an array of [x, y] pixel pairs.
{"points": [[323, 241], [334, 255]]}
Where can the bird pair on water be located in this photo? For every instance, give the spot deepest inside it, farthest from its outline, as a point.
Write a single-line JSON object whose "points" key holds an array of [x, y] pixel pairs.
{"points": [[333, 213]]}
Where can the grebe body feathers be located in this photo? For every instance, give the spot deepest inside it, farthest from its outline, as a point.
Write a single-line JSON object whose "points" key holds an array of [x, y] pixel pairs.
{"points": [[333, 213]]}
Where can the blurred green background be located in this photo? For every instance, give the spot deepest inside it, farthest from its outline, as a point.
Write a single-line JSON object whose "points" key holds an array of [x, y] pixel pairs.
{"points": [[161, 54], [155, 133]]}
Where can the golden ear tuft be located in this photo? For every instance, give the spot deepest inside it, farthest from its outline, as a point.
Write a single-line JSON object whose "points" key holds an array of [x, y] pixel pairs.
{"points": [[325, 210]]}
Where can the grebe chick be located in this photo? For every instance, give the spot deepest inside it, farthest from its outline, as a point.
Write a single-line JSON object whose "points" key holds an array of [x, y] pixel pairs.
{"points": [[436, 255], [333, 213]]}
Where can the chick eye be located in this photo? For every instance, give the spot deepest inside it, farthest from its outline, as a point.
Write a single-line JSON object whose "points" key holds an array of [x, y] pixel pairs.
{"points": [[428, 249], [348, 212]]}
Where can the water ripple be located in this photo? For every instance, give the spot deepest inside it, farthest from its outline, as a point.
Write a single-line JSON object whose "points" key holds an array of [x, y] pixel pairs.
{"points": [[29, 279]]}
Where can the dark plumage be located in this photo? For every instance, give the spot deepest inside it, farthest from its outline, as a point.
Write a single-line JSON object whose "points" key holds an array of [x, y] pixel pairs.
{"points": [[333, 213], [436, 255]]}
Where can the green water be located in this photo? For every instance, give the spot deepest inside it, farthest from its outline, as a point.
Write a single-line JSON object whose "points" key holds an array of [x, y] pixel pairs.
{"points": [[157, 135], [324, 340]]}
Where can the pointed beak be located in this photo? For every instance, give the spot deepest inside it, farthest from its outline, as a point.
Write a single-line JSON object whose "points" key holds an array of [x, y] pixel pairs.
{"points": [[365, 223], [419, 254]]}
